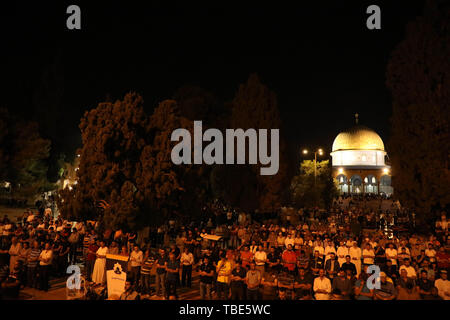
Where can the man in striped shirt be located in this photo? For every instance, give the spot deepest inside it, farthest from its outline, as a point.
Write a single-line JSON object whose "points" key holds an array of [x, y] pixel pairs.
{"points": [[147, 265], [32, 262]]}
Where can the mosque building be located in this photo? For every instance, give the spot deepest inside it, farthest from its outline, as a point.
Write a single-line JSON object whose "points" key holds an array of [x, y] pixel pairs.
{"points": [[360, 163]]}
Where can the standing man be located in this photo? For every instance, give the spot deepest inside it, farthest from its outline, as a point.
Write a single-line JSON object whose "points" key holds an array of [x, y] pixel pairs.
{"points": [[289, 259], [342, 252], [146, 269], [368, 255], [73, 242], [329, 250], [187, 260], [355, 254], [223, 270], [246, 257], [45, 262], [63, 256], [161, 273], [331, 266], [316, 264], [238, 278], [90, 258], [303, 285], [206, 278], [348, 265], [253, 280], [260, 259], [343, 284], [286, 282], [391, 254], [273, 260], [425, 286], [322, 286], [32, 262], [173, 272], [14, 252], [136, 259], [270, 284]]}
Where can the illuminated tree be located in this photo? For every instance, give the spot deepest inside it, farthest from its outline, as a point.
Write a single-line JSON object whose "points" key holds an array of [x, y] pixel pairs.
{"points": [[306, 193]]}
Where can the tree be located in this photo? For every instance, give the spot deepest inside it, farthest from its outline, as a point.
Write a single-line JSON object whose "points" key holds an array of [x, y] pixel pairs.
{"points": [[195, 103], [236, 186], [306, 193], [126, 176], [51, 113], [418, 76], [23, 156], [255, 106]]}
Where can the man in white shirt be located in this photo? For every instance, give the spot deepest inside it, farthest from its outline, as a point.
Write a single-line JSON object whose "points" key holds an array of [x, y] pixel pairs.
{"points": [[136, 259], [391, 253], [289, 240], [187, 260], [431, 253], [260, 259], [368, 255], [45, 262], [403, 244], [30, 218], [342, 251], [443, 285], [355, 254], [410, 271], [319, 247], [322, 286]]}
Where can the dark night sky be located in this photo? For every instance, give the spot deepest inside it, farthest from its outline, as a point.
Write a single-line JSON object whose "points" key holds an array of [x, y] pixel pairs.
{"points": [[319, 58]]}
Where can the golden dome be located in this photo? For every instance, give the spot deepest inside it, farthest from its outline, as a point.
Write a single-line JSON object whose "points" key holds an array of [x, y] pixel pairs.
{"points": [[358, 138]]}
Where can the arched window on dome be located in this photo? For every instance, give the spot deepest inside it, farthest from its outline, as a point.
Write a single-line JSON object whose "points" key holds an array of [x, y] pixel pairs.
{"points": [[342, 179], [343, 183], [370, 184], [356, 184]]}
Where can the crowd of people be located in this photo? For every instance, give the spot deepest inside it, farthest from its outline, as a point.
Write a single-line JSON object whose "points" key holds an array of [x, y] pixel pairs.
{"points": [[319, 255]]}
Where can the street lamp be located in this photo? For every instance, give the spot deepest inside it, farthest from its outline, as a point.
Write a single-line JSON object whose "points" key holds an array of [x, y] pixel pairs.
{"points": [[320, 152]]}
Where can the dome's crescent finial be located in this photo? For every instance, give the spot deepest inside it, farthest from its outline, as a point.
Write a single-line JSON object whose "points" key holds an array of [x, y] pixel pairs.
{"points": [[356, 117]]}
